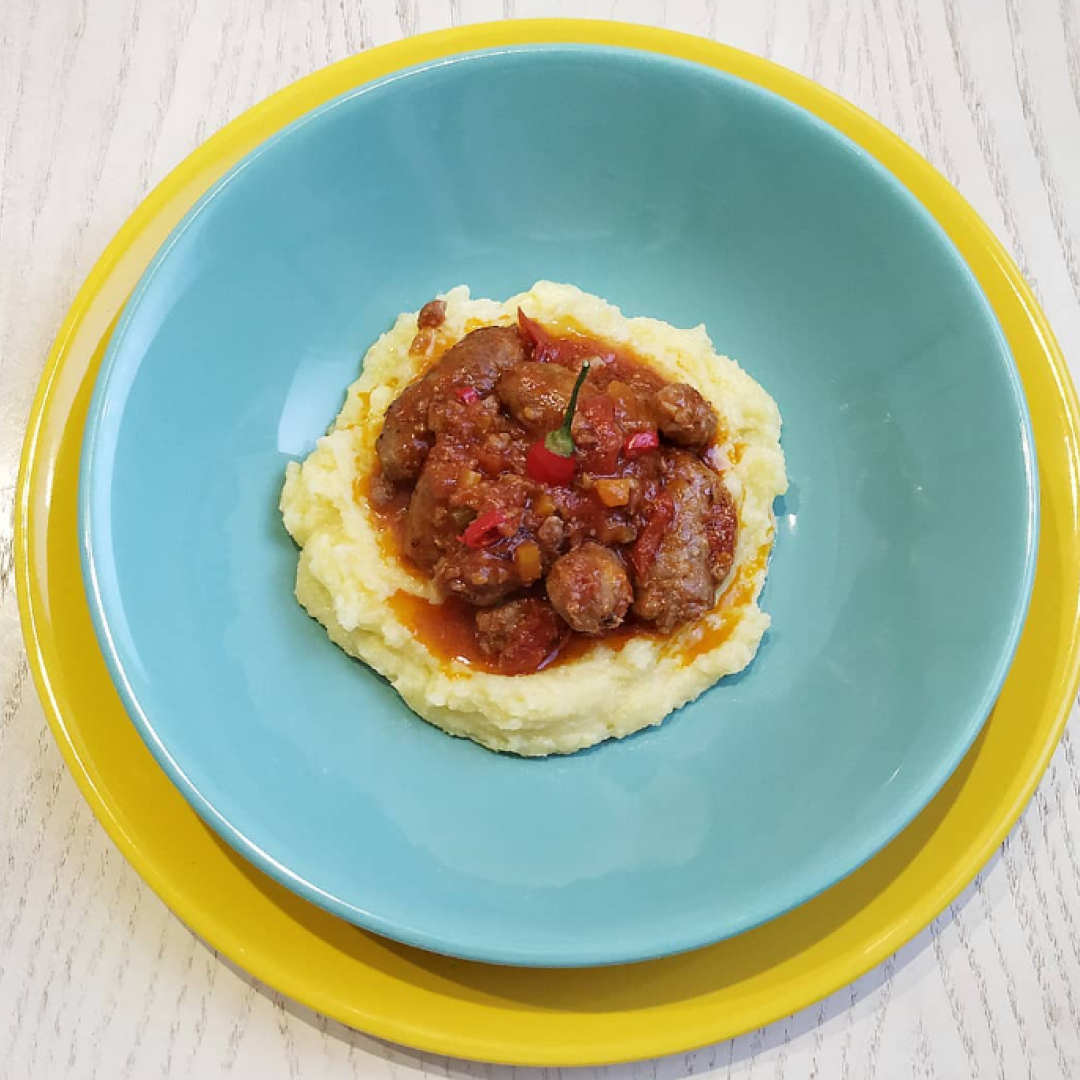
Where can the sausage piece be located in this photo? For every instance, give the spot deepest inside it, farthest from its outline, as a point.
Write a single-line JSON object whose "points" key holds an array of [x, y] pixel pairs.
{"points": [[405, 440], [722, 529], [684, 416], [536, 395], [476, 361], [431, 525], [590, 589], [479, 358], [476, 575], [520, 634], [678, 582]]}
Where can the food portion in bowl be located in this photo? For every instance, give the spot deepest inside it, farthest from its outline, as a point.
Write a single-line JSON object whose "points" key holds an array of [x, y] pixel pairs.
{"points": [[545, 523]]}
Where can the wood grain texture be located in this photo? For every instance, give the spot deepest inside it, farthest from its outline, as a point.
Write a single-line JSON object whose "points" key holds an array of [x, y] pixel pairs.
{"points": [[98, 100]]}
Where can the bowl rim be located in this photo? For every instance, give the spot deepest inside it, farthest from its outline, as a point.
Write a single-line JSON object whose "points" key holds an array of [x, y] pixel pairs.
{"points": [[93, 501]]}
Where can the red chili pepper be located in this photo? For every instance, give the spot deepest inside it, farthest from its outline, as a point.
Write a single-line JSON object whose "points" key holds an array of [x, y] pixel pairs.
{"points": [[544, 347], [483, 531], [641, 442], [643, 553], [551, 460], [547, 467], [547, 348], [466, 394]]}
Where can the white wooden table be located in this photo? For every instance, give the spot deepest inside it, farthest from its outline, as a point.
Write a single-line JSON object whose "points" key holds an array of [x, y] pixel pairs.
{"points": [[98, 100]]}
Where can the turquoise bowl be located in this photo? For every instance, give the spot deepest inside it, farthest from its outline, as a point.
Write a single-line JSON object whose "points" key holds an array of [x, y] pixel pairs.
{"points": [[904, 553]]}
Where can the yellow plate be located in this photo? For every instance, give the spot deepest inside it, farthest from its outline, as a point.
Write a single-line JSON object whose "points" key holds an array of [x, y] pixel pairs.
{"points": [[515, 1015]]}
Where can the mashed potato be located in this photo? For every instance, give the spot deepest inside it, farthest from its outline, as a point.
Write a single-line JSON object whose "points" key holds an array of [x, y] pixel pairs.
{"points": [[348, 577]]}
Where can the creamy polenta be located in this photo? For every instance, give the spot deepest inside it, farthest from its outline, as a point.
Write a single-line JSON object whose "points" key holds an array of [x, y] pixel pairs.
{"points": [[352, 580]]}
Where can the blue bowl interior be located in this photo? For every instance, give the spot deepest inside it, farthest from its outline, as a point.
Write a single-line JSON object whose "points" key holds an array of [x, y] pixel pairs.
{"points": [[904, 553]]}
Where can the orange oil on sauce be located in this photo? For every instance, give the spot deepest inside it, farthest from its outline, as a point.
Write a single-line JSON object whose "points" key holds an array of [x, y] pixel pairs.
{"points": [[446, 629], [737, 595]]}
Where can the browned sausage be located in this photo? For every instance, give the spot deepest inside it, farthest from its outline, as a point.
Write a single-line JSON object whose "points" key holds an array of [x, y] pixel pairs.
{"points": [[590, 589], [684, 416], [536, 395], [405, 440], [475, 361], [479, 358], [520, 634], [478, 575], [431, 525], [677, 583], [722, 529]]}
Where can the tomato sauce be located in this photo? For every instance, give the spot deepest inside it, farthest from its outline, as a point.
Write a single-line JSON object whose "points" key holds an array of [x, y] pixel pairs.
{"points": [[447, 630], [621, 381]]}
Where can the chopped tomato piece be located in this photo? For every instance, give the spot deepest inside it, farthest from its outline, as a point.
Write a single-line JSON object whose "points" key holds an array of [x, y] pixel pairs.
{"points": [[544, 346], [643, 553], [484, 530], [641, 442]]}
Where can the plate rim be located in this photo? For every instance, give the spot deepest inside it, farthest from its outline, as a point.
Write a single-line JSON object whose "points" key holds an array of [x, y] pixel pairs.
{"points": [[471, 38]]}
